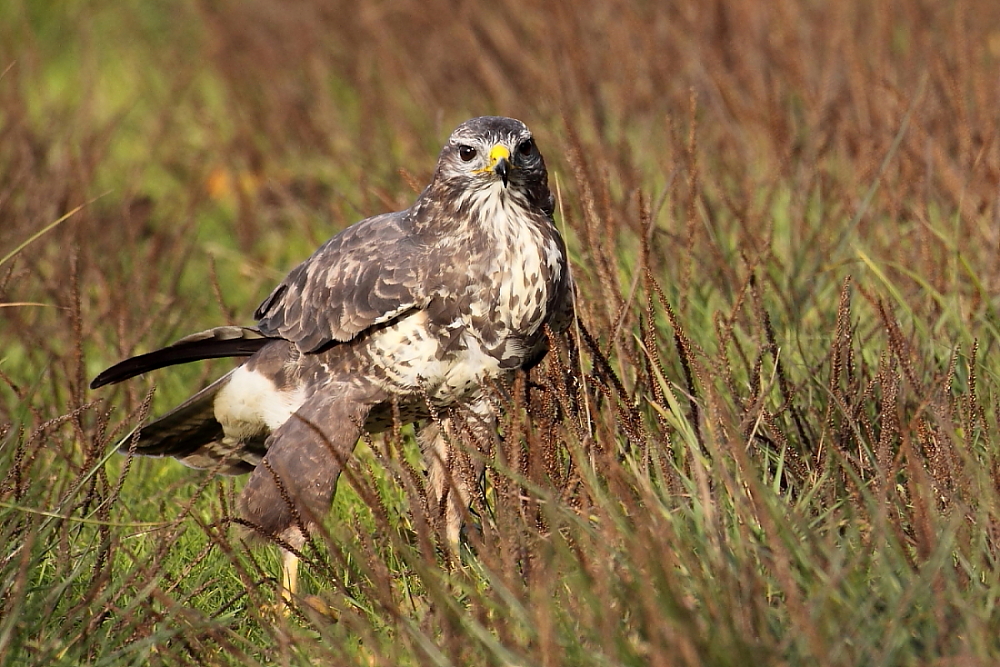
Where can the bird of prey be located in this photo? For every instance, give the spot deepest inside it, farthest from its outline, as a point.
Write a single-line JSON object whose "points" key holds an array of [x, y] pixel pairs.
{"points": [[407, 314]]}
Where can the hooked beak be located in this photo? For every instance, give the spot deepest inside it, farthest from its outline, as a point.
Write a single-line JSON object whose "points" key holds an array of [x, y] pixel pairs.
{"points": [[500, 163]]}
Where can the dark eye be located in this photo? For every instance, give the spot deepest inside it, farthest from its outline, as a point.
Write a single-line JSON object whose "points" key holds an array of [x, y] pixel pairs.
{"points": [[525, 147], [466, 153]]}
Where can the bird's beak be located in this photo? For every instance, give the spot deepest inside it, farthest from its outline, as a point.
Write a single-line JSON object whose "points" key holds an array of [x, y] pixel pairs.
{"points": [[500, 163]]}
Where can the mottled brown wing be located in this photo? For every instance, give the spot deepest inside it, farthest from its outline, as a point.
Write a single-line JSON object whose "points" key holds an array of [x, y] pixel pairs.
{"points": [[367, 275]]}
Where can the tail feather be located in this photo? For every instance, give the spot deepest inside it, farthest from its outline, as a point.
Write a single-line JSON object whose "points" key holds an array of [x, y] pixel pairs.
{"points": [[191, 434], [210, 344], [182, 430]]}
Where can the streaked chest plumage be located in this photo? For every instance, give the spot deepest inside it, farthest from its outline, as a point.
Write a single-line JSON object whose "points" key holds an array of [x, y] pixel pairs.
{"points": [[494, 321]]}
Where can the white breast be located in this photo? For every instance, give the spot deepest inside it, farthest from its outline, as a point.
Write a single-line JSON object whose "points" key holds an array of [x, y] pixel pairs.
{"points": [[407, 352]]}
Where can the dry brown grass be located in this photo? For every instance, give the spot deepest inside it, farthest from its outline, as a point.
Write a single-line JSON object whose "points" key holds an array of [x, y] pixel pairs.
{"points": [[773, 439]]}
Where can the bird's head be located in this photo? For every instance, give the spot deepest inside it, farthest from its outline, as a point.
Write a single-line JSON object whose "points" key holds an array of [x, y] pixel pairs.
{"points": [[493, 153]]}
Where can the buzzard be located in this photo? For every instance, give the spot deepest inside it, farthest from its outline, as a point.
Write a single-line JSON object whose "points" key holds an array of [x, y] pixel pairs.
{"points": [[406, 314]]}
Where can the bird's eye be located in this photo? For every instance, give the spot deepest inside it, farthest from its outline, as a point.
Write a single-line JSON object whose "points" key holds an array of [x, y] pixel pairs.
{"points": [[466, 153], [525, 147]]}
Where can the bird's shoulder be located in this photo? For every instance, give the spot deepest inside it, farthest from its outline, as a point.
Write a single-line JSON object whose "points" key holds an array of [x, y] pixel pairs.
{"points": [[366, 275]]}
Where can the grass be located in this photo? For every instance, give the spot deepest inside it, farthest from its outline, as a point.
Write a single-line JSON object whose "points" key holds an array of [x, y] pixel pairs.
{"points": [[773, 439]]}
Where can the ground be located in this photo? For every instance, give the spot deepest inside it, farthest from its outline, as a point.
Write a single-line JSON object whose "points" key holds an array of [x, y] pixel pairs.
{"points": [[772, 440]]}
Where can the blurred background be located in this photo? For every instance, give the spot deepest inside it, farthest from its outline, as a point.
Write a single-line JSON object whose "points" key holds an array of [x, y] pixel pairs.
{"points": [[783, 218], [245, 133]]}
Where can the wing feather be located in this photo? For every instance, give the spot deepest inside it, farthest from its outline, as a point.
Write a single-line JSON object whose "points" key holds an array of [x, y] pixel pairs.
{"points": [[368, 274], [214, 343]]}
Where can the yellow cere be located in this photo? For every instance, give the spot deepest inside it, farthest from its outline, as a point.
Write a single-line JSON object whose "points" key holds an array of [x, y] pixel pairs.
{"points": [[497, 153]]}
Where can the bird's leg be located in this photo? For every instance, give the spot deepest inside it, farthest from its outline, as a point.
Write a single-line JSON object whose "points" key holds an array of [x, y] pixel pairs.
{"points": [[289, 580], [452, 473], [290, 589], [439, 456]]}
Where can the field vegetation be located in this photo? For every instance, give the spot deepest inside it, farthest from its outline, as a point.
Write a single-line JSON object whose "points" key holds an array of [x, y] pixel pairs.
{"points": [[772, 439]]}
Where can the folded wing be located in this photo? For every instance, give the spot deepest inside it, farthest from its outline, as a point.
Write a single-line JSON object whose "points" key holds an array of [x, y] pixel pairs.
{"points": [[367, 275]]}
